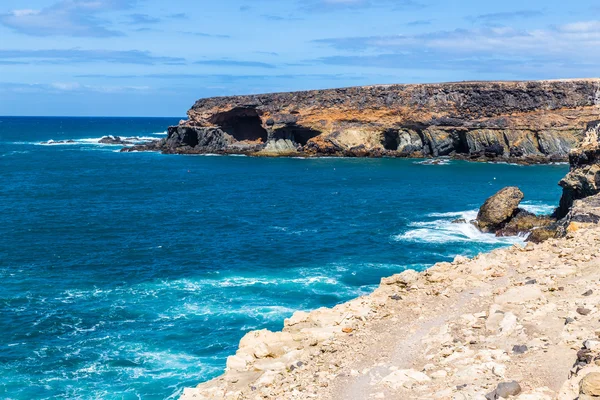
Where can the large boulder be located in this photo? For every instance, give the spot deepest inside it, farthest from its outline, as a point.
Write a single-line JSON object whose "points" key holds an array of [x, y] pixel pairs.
{"points": [[499, 209]]}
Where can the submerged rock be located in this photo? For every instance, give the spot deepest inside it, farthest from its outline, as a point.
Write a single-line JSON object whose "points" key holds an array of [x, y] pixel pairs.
{"points": [[111, 140], [499, 209]]}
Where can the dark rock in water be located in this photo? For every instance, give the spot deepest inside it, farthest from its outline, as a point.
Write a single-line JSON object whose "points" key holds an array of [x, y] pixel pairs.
{"points": [[459, 221], [499, 209], [112, 140], [70, 141], [524, 222]]}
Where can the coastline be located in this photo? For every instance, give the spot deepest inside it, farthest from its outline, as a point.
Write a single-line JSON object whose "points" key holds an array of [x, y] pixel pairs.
{"points": [[524, 122], [456, 329]]}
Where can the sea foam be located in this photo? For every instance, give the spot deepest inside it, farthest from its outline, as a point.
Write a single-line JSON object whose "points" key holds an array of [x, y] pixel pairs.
{"points": [[444, 230]]}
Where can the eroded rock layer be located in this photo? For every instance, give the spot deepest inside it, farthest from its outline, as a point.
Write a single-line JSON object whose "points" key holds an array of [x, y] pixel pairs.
{"points": [[521, 121]]}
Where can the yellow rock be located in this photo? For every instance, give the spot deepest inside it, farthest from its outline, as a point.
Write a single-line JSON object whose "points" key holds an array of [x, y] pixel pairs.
{"points": [[590, 384]]}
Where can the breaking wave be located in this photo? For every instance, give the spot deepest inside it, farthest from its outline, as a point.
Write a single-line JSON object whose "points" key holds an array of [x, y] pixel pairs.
{"points": [[451, 227]]}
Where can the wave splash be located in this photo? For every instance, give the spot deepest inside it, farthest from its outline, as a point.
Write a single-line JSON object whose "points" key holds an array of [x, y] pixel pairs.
{"points": [[93, 141], [448, 228]]}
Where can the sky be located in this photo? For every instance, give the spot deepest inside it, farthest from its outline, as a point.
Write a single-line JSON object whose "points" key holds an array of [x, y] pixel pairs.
{"points": [[156, 57]]}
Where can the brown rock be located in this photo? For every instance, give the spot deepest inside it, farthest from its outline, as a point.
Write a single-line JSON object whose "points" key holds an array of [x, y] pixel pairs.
{"points": [[539, 235], [583, 311], [526, 122], [499, 209], [524, 222], [590, 384]]}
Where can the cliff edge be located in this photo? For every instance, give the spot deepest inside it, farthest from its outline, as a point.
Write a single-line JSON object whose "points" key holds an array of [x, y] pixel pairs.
{"points": [[536, 121]]}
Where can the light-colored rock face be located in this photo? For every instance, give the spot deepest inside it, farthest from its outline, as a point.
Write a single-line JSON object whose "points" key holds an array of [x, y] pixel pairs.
{"points": [[521, 322]]}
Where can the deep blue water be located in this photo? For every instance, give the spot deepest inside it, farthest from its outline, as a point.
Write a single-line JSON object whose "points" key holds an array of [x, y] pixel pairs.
{"points": [[133, 275]]}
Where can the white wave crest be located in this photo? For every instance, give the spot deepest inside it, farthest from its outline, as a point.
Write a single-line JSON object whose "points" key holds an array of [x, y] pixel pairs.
{"points": [[93, 141], [434, 161], [537, 208], [445, 231]]}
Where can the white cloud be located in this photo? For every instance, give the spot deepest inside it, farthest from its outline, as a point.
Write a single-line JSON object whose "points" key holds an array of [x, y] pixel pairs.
{"points": [[562, 49], [66, 18]]}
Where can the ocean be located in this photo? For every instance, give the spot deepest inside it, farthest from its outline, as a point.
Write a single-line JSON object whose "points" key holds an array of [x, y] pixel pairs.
{"points": [[134, 275]]}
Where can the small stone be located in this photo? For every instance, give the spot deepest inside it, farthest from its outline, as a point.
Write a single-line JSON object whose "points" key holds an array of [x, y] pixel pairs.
{"points": [[591, 344], [299, 364], [519, 349], [588, 293], [347, 330], [590, 384], [531, 282], [504, 390], [461, 387], [396, 297], [569, 320], [583, 311]]}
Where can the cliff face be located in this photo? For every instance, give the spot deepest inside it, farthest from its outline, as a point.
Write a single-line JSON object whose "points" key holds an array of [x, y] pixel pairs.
{"points": [[529, 121], [583, 180]]}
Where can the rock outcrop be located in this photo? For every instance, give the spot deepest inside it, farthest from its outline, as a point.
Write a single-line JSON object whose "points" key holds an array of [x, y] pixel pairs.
{"points": [[583, 180], [499, 209], [524, 122], [500, 214]]}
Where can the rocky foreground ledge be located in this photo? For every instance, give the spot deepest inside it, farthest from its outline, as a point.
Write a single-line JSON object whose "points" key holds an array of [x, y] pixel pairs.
{"points": [[522, 321], [524, 122]]}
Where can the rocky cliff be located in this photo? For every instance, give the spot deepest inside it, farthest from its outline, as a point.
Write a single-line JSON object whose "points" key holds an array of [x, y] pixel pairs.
{"points": [[521, 121], [583, 180]]}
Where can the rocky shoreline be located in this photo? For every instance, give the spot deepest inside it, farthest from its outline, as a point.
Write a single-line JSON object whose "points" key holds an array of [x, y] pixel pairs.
{"points": [[519, 122], [520, 322], [456, 331]]}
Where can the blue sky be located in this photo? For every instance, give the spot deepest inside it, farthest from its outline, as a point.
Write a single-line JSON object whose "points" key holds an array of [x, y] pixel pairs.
{"points": [[155, 58]]}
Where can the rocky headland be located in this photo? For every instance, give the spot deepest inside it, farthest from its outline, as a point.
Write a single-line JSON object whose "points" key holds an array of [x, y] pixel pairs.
{"points": [[524, 122], [520, 322]]}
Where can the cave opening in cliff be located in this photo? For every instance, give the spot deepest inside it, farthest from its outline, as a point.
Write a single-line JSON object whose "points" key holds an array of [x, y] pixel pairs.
{"points": [[461, 143], [298, 134], [244, 124], [391, 139]]}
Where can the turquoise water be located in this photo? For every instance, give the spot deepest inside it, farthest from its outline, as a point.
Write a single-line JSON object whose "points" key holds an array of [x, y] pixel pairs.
{"points": [[133, 275]]}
